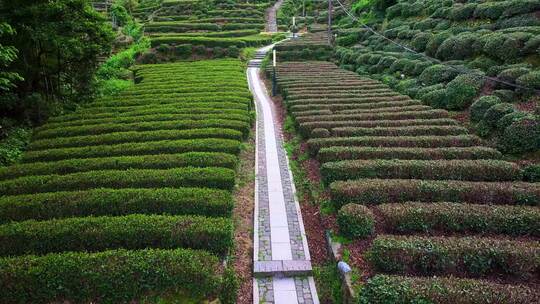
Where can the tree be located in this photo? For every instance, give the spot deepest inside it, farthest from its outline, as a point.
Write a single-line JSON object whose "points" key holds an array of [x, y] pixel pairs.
{"points": [[59, 43], [7, 55]]}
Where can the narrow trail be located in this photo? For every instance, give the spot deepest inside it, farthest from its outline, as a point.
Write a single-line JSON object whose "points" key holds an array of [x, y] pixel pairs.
{"points": [[271, 22], [281, 259]]}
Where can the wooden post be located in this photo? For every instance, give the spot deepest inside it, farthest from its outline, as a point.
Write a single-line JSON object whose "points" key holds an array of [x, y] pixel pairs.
{"points": [[274, 80]]}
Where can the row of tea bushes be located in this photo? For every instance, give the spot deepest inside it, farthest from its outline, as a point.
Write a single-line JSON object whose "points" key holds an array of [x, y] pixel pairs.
{"points": [[404, 290], [476, 47], [399, 172], [205, 29], [125, 184]]}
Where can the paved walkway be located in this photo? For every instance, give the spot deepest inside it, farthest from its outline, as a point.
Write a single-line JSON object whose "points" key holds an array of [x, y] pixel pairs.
{"points": [[282, 267], [271, 22]]}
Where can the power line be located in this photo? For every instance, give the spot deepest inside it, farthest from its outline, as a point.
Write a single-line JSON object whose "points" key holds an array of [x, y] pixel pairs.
{"points": [[427, 57]]}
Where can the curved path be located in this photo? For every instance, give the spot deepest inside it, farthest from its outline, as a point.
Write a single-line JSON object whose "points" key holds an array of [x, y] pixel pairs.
{"points": [[282, 266], [271, 22]]}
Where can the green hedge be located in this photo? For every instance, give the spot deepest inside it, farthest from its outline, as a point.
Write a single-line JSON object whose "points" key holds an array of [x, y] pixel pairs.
{"points": [[159, 161], [344, 153], [305, 128], [98, 202], [380, 191], [144, 118], [128, 232], [384, 289], [356, 221], [404, 141], [523, 135], [212, 42], [178, 107], [242, 126], [133, 137], [471, 256], [144, 148], [400, 131], [221, 178], [154, 27], [455, 217], [473, 170], [116, 276], [345, 106], [481, 105]]}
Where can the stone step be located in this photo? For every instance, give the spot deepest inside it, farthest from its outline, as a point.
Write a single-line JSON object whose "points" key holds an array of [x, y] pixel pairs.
{"points": [[287, 268]]}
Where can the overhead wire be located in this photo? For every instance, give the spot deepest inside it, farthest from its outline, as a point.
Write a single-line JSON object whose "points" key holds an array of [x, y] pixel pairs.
{"points": [[494, 79]]}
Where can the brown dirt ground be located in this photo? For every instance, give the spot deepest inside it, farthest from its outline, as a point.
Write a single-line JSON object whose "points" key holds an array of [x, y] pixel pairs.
{"points": [[243, 219]]}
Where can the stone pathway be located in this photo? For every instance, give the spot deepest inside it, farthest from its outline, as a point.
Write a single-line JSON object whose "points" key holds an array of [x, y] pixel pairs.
{"points": [[271, 22], [282, 266]]}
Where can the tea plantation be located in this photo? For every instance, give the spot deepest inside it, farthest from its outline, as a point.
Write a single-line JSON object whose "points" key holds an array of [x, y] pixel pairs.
{"points": [[182, 29], [444, 214], [412, 127], [457, 52], [132, 192]]}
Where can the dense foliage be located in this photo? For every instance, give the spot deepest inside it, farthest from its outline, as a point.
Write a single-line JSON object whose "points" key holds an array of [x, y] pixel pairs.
{"points": [[58, 45]]}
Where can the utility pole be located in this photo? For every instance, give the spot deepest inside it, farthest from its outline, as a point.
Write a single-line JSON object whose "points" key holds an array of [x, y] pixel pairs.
{"points": [[330, 21]]}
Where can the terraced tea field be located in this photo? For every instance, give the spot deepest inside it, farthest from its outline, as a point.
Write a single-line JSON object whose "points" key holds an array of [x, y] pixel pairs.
{"points": [[207, 25], [439, 217], [129, 195]]}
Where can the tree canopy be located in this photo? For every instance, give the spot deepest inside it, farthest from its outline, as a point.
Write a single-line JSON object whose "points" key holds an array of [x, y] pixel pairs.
{"points": [[59, 43]]}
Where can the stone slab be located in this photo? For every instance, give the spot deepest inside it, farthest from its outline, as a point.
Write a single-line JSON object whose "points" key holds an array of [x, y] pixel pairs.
{"points": [[286, 268]]}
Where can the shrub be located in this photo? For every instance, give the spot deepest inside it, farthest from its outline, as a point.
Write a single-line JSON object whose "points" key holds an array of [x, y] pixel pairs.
{"points": [[399, 131], [495, 113], [160, 161], [455, 217], [320, 132], [435, 42], [463, 12], [426, 114], [438, 73], [380, 191], [344, 153], [508, 119], [505, 95], [116, 202], [521, 136], [427, 89], [530, 80], [389, 141], [143, 126], [461, 91], [506, 47], [305, 128], [436, 99], [512, 74], [355, 221], [183, 50], [145, 148], [382, 289], [531, 173], [114, 276], [490, 10], [221, 178], [483, 63], [473, 170], [458, 47], [481, 105], [142, 118], [128, 232], [473, 256], [133, 137]]}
